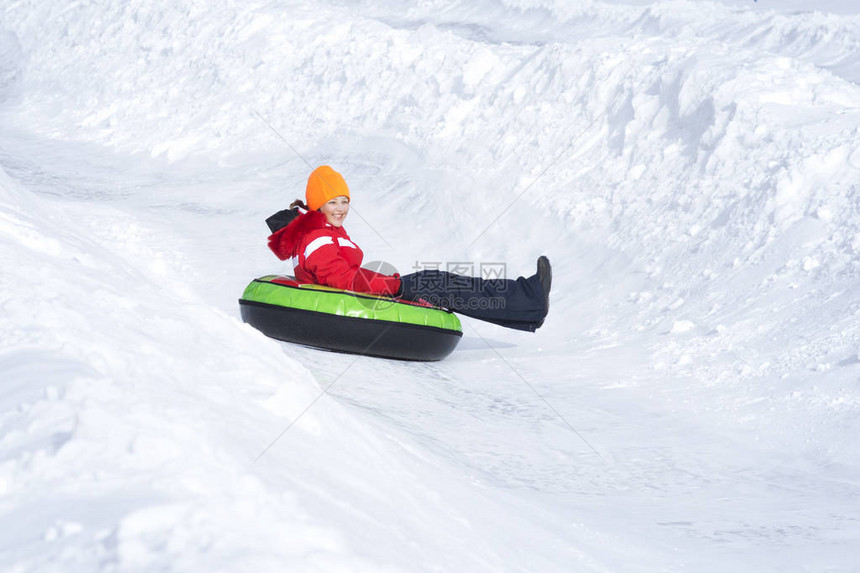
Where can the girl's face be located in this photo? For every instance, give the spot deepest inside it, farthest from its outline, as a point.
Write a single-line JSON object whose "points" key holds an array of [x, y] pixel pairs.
{"points": [[335, 211]]}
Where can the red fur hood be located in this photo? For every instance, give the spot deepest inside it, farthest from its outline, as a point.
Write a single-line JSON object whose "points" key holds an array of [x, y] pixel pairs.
{"points": [[285, 242]]}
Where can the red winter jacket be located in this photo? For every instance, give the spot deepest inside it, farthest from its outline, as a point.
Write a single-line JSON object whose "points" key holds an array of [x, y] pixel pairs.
{"points": [[324, 255]]}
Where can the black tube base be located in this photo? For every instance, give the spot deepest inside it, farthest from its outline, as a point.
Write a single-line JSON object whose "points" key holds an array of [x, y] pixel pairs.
{"points": [[368, 337]]}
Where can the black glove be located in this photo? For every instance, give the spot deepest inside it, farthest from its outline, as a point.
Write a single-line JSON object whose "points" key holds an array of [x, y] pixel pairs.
{"points": [[281, 219]]}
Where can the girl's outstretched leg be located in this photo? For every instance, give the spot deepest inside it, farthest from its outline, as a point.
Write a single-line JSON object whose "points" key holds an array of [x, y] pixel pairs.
{"points": [[521, 304]]}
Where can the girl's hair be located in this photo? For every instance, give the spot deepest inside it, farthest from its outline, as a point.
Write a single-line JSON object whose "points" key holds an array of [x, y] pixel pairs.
{"points": [[299, 203]]}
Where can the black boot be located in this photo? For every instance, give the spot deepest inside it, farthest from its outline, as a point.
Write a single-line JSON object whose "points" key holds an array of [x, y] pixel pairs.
{"points": [[544, 271]]}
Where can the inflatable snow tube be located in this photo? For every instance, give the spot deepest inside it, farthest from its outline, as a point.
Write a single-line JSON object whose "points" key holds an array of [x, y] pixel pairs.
{"points": [[345, 321]]}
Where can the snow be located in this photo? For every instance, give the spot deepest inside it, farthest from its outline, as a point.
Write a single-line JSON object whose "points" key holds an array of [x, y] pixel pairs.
{"points": [[690, 167]]}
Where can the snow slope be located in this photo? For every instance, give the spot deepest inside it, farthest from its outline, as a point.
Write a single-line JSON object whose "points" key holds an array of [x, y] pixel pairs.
{"points": [[690, 167]]}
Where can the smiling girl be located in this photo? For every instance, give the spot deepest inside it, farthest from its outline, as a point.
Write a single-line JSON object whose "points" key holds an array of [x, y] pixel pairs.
{"points": [[312, 235]]}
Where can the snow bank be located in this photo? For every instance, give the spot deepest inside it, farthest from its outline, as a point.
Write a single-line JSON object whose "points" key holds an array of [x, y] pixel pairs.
{"points": [[87, 380], [10, 58]]}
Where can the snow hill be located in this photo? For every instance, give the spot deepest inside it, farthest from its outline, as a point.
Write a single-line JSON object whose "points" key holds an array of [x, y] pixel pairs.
{"points": [[690, 167]]}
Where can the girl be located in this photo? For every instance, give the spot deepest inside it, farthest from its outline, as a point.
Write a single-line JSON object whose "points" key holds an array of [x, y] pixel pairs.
{"points": [[312, 235]]}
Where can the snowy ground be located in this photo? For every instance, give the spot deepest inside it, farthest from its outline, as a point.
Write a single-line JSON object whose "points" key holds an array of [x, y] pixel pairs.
{"points": [[690, 167]]}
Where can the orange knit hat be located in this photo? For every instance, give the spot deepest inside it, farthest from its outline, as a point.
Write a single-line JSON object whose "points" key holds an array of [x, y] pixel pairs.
{"points": [[324, 184]]}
